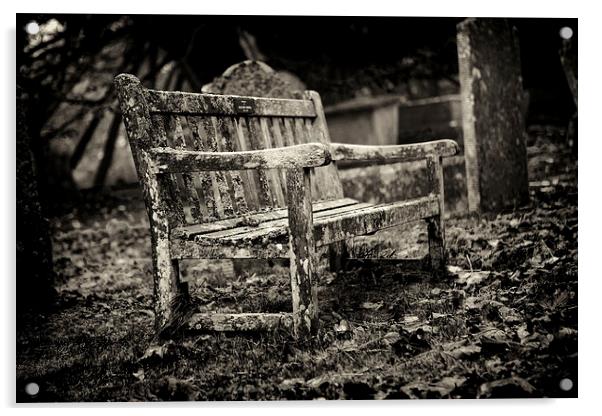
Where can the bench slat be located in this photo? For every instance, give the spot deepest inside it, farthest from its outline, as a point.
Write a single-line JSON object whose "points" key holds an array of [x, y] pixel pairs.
{"points": [[272, 241], [259, 230], [255, 143], [214, 141], [248, 177], [258, 218], [278, 196], [175, 102], [228, 143], [369, 220], [203, 179], [187, 191], [174, 210], [327, 179], [278, 141]]}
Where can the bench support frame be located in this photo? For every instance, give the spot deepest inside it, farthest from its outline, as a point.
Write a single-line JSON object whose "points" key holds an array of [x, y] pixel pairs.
{"points": [[154, 166]]}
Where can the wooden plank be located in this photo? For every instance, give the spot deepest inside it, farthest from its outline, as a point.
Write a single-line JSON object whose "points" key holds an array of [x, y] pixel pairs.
{"points": [[278, 141], [288, 133], [258, 231], [300, 137], [217, 185], [371, 219], [187, 249], [137, 120], [328, 174], [319, 181], [304, 155], [255, 143], [435, 225], [331, 225], [174, 102], [302, 252], [217, 143], [240, 322], [248, 177], [299, 131], [392, 153], [175, 135], [273, 175], [175, 210], [255, 219], [202, 179], [228, 134]]}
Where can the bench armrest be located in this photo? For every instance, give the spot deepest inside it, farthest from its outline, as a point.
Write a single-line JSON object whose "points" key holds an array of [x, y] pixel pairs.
{"points": [[310, 155], [393, 153]]}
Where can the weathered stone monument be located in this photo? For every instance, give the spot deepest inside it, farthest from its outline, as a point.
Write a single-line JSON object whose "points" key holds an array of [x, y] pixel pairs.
{"points": [[493, 123]]}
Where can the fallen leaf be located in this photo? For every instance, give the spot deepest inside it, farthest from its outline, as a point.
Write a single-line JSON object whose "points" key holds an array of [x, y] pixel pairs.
{"points": [[454, 269], [435, 390], [342, 326], [371, 305], [472, 278], [466, 351], [139, 374], [513, 387]]}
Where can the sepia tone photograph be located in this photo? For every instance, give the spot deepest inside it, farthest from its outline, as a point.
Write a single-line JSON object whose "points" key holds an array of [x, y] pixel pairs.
{"points": [[262, 208]]}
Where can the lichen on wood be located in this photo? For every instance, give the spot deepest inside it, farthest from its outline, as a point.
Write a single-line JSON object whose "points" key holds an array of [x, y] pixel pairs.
{"points": [[226, 105], [302, 155], [138, 125], [435, 224], [302, 252], [393, 153]]}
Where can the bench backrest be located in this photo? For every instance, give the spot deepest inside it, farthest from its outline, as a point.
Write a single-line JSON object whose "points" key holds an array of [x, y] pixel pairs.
{"points": [[211, 122]]}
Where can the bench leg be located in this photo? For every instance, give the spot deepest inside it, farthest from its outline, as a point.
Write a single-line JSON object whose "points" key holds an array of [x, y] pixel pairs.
{"points": [[436, 244], [168, 290], [338, 256], [302, 253], [436, 230]]}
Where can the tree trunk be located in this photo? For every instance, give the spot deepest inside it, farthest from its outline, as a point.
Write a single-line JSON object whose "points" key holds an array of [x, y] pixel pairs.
{"points": [[35, 276]]}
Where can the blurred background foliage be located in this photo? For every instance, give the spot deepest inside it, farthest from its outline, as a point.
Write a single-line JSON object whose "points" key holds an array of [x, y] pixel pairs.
{"points": [[66, 68]]}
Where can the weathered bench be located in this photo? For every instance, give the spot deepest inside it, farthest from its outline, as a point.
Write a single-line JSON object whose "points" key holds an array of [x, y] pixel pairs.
{"points": [[227, 176]]}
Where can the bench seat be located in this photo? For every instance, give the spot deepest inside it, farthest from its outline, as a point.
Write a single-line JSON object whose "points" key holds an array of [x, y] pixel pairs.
{"points": [[265, 235]]}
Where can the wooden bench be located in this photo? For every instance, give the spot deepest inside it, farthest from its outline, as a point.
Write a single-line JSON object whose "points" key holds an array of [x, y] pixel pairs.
{"points": [[227, 176]]}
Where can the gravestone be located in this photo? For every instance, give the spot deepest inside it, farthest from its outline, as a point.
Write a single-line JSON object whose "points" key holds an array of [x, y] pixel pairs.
{"points": [[493, 123]]}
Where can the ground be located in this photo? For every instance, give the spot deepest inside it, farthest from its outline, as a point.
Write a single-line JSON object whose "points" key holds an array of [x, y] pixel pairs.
{"points": [[503, 323]]}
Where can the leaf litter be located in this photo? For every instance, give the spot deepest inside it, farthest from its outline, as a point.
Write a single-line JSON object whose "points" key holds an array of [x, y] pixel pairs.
{"points": [[503, 323]]}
